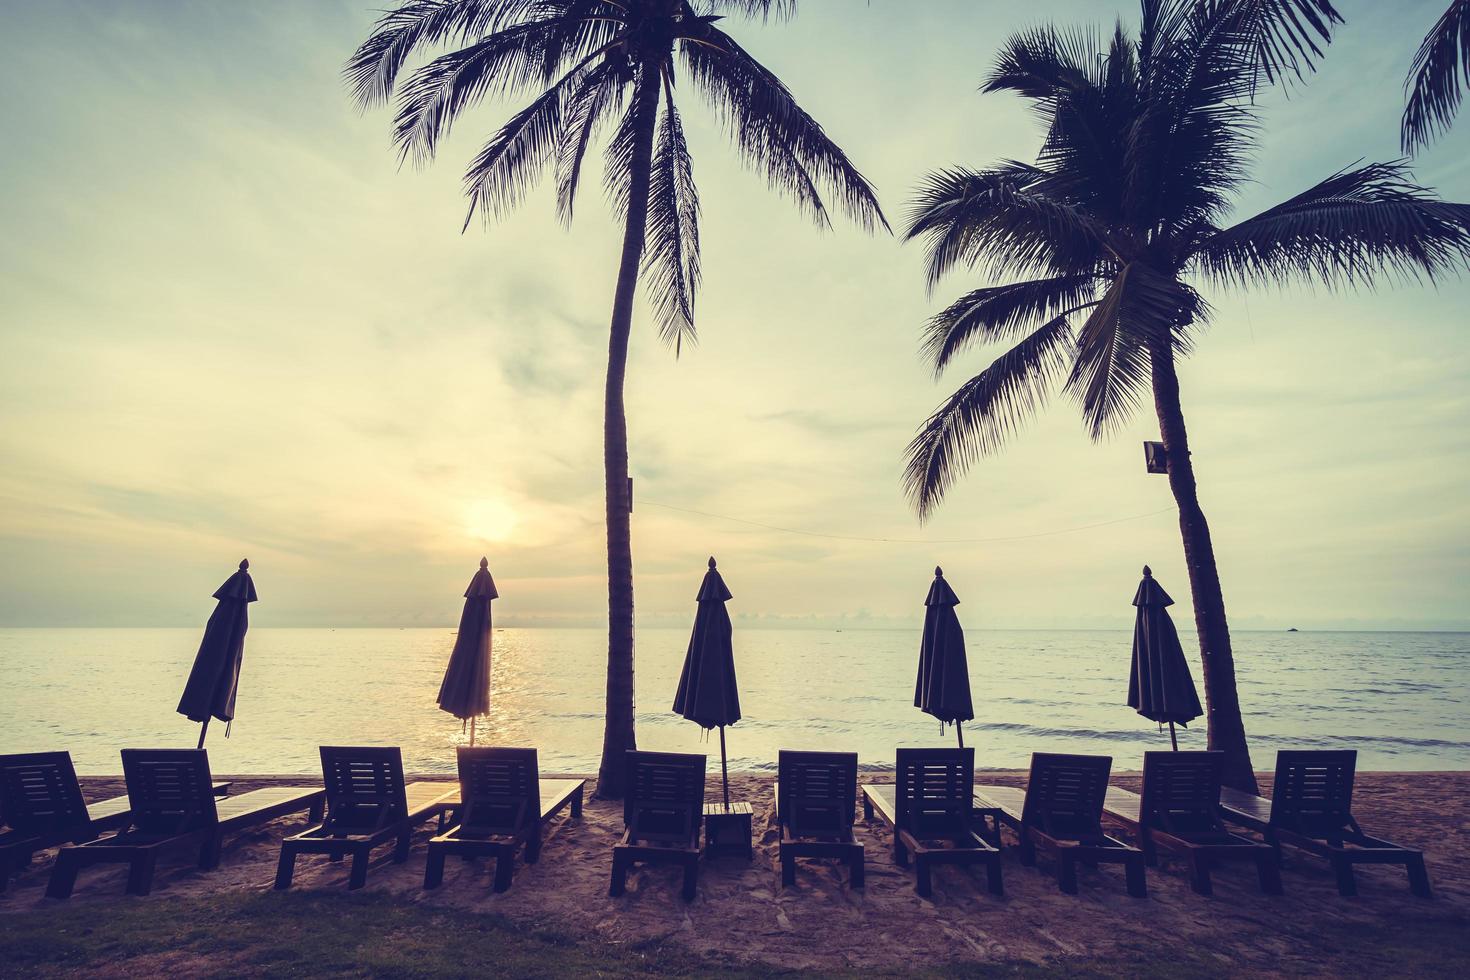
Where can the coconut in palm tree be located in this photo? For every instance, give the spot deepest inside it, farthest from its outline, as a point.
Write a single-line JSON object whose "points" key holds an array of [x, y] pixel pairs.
{"points": [[594, 66]]}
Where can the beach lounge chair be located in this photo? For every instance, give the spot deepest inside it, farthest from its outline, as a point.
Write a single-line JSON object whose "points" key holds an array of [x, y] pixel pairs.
{"points": [[41, 806], [502, 804], [367, 805], [929, 807], [663, 807], [816, 799], [171, 803], [1179, 810], [1311, 808], [1060, 811]]}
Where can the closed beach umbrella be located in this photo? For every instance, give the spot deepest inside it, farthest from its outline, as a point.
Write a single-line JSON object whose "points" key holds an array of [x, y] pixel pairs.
{"points": [[707, 694], [210, 690], [465, 692], [943, 689], [1160, 686]]}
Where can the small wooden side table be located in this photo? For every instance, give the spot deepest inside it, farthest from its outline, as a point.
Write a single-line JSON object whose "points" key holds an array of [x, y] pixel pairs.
{"points": [[727, 830]]}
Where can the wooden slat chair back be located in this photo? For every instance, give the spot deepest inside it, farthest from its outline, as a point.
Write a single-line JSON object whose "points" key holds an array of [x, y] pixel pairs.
{"points": [[1065, 794], [365, 789], [39, 794], [1181, 792], [665, 796], [933, 791], [1313, 792], [170, 791], [817, 793], [500, 790]]}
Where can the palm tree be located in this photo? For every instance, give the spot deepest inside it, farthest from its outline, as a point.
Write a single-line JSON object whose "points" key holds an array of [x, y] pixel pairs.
{"points": [[1112, 233], [593, 63], [1441, 69]]}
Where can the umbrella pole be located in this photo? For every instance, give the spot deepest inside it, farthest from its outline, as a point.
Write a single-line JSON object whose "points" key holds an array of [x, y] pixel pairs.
{"points": [[472, 730], [1172, 740], [959, 730], [203, 727], [724, 769]]}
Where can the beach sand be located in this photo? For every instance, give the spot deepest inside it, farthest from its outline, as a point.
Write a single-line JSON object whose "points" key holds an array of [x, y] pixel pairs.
{"points": [[743, 912]]}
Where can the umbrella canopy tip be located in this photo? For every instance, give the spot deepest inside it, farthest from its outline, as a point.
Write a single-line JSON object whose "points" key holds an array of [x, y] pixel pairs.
{"points": [[1147, 572], [244, 564], [484, 562], [711, 561], [938, 572]]}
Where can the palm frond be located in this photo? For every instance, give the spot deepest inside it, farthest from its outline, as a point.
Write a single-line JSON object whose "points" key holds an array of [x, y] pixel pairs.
{"points": [[762, 9], [514, 159], [1440, 72], [1283, 37], [1005, 220], [998, 313], [773, 133], [986, 410], [600, 93], [373, 69], [1352, 228], [1138, 311], [671, 255], [435, 94]]}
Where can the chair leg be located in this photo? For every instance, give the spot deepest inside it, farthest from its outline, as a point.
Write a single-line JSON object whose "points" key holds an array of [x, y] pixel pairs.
{"points": [[1418, 876], [63, 876], [1150, 851], [1067, 872], [1347, 884], [335, 856], [358, 876], [900, 853], [856, 869], [140, 872], [317, 812], [1199, 874], [1028, 850], [286, 867], [993, 881], [619, 875], [434, 869], [1268, 870], [210, 850], [788, 869], [924, 882], [577, 804], [505, 861], [533, 846], [867, 810], [1137, 876], [691, 877], [400, 849]]}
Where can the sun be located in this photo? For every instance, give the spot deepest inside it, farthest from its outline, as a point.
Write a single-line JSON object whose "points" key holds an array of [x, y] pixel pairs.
{"points": [[490, 520]]}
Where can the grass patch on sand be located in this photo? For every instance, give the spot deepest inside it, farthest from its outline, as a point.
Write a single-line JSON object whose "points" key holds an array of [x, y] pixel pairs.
{"points": [[370, 935]]}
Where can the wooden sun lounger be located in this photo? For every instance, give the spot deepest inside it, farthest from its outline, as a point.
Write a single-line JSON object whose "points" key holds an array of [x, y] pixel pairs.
{"points": [[367, 804], [930, 809], [816, 799], [41, 806], [1311, 808], [500, 804], [663, 809], [1179, 810], [172, 802], [1061, 812]]}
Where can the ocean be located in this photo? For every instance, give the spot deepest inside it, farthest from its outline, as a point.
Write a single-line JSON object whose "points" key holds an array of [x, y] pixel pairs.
{"points": [[1398, 698]]}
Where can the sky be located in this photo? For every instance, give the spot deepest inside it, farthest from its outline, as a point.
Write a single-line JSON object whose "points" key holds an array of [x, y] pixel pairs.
{"points": [[231, 325]]}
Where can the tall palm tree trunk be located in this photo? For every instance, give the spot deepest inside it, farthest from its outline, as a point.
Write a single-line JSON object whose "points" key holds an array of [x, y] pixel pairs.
{"points": [[1226, 729], [618, 732]]}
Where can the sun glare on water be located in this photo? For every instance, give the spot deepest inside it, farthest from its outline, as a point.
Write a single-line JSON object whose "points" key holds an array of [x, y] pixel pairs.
{"points": [[490, 520]]}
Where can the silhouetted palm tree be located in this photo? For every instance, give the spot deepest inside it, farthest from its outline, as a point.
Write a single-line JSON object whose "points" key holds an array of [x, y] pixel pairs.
{"points": [[1440, 71], [1147, 141], [594, 63]]}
